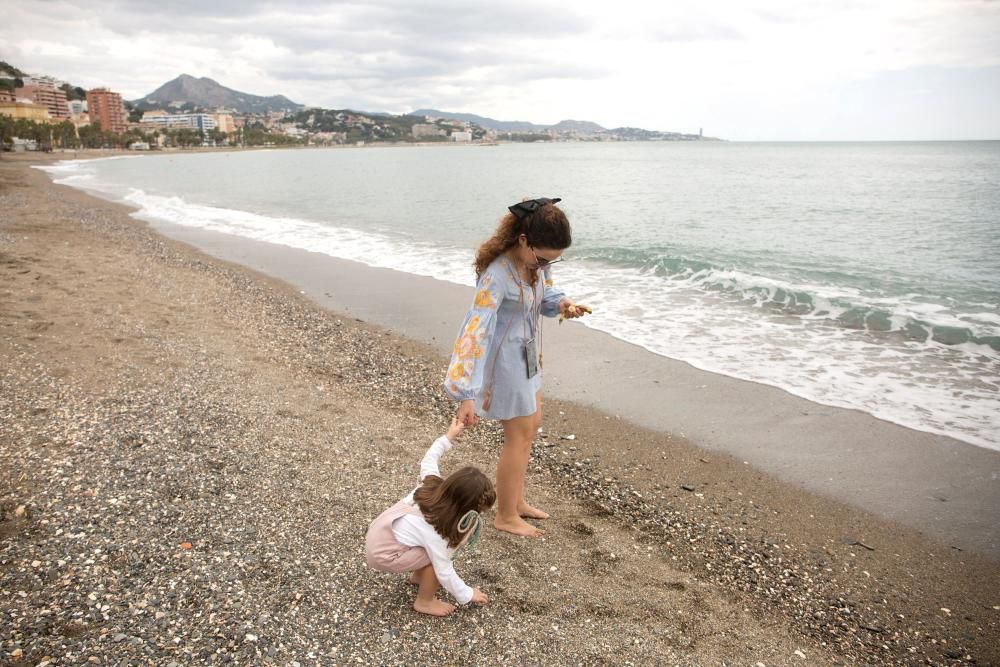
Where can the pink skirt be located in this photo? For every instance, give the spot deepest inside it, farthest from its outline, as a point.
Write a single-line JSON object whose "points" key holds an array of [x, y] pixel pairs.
{"points": [[383, 550]]}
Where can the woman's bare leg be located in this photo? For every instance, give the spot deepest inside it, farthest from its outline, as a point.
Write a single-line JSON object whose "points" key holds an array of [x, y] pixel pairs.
{"points": [[518, 434], [523, 508], [427, 602]]}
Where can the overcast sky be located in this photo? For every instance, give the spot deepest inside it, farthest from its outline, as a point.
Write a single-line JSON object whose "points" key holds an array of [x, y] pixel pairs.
{"points": [[741, 69]]}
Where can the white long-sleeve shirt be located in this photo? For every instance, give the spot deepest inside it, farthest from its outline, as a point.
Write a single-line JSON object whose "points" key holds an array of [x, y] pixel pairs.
{"points": [[413, 530]]}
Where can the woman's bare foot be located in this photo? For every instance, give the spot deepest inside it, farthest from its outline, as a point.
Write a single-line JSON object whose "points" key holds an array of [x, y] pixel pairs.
{"points": [[433, 607], [529, 512], [517, 526]]}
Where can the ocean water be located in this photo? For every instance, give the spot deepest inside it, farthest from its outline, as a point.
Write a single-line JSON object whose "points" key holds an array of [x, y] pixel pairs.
{"points": [[861, 275]]}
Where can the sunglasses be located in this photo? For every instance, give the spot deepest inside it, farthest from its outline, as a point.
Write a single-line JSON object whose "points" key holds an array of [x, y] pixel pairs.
{"points": [[541, 262]]}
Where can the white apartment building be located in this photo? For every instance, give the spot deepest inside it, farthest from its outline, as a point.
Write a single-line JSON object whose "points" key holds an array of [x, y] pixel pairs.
{"points": [[160, 120]]}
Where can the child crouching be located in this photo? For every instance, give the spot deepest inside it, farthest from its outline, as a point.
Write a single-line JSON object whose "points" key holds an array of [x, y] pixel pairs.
{"points": [[421, 533]]}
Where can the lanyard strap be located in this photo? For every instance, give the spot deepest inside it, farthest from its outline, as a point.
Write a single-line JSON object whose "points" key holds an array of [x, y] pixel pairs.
{"points": [[532, 313]]}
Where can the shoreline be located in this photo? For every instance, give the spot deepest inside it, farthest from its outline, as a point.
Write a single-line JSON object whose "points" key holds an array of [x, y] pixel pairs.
{"points": [[701, 364], [612, 474], [946, 487]]}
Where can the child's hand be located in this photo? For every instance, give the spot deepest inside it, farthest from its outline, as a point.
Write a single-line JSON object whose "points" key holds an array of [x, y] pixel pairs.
{"points": [[478, 597], [455, 430]]}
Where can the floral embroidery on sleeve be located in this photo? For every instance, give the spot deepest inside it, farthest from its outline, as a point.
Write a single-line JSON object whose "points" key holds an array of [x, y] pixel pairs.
{"points": [[483, 297], [464, 375], [468, 348]]}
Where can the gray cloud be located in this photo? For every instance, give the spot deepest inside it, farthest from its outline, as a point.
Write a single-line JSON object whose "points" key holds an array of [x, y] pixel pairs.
{"points": [[396, 55], [198, 9], [409, 45], [393, 59], [437, 20]]}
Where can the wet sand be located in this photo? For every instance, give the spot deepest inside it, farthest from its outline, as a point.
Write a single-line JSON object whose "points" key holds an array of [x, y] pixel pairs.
{"points": [[154, 397], [947, 489]]}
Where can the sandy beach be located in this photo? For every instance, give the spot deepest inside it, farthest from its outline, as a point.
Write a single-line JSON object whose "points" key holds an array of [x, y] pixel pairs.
{"points": [[947, 489], [191, 451]]}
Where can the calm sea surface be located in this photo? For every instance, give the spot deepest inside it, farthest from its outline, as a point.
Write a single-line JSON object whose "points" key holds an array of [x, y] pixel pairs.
{"points": [[858, 275]]}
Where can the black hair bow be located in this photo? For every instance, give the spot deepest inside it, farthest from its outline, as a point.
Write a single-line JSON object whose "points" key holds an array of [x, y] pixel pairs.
{"points": [[523, 208]]}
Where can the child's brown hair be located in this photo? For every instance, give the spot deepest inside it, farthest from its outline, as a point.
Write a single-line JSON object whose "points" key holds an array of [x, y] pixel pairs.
{"points": [[444, 502]]}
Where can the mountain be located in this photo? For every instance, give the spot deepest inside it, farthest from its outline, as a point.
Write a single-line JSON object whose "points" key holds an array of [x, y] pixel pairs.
{"points": [[512, 125], [576, 126], [482, 121], [205, 93], [572, 129]]}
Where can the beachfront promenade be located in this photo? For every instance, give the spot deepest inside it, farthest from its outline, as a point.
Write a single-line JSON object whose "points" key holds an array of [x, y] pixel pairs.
{"points": [[190, 453]]}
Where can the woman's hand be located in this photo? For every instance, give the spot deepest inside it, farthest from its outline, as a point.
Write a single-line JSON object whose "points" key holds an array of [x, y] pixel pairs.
{"points": [[569, 310], [467, 413]]}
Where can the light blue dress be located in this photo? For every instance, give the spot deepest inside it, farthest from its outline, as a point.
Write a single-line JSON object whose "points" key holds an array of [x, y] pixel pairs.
{"points": [[488, 360]]}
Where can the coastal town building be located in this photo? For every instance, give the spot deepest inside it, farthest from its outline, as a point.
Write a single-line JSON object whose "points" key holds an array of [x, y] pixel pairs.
{"points": [[461, 136], [25, 109], [44, 91], [426, 130], [7, 95], [329, 137], [107, 110], [273, 118], [161, 120], [224, 122]]}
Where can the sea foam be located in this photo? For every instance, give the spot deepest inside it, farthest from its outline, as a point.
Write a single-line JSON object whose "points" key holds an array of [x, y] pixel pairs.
{"points": [[903, 358]]}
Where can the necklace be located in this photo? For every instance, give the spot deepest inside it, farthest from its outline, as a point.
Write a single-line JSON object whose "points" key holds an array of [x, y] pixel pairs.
{"points": [[526, 275]]}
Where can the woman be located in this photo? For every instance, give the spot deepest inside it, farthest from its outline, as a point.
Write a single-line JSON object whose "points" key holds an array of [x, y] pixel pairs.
{"points": [[495, 369]]}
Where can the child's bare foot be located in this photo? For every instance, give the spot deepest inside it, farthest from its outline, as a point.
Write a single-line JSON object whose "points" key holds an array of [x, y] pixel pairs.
{"points": [[529, 512], [517, 526], [433, 607]]}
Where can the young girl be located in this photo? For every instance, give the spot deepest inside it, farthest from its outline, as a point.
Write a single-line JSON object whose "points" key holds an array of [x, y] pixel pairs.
{"points": [[421, 532], [495, 368]]}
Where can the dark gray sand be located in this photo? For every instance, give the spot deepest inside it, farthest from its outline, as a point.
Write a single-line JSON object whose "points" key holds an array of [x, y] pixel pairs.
{"points": [[190, 453]]}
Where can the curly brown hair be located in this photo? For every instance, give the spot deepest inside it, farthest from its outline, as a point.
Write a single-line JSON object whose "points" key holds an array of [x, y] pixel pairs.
{"points": [[546, 227], [444, 502]]}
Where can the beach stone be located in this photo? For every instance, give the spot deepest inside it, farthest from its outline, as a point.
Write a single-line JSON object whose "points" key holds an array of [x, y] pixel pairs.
{"points": [[183, 393]]}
